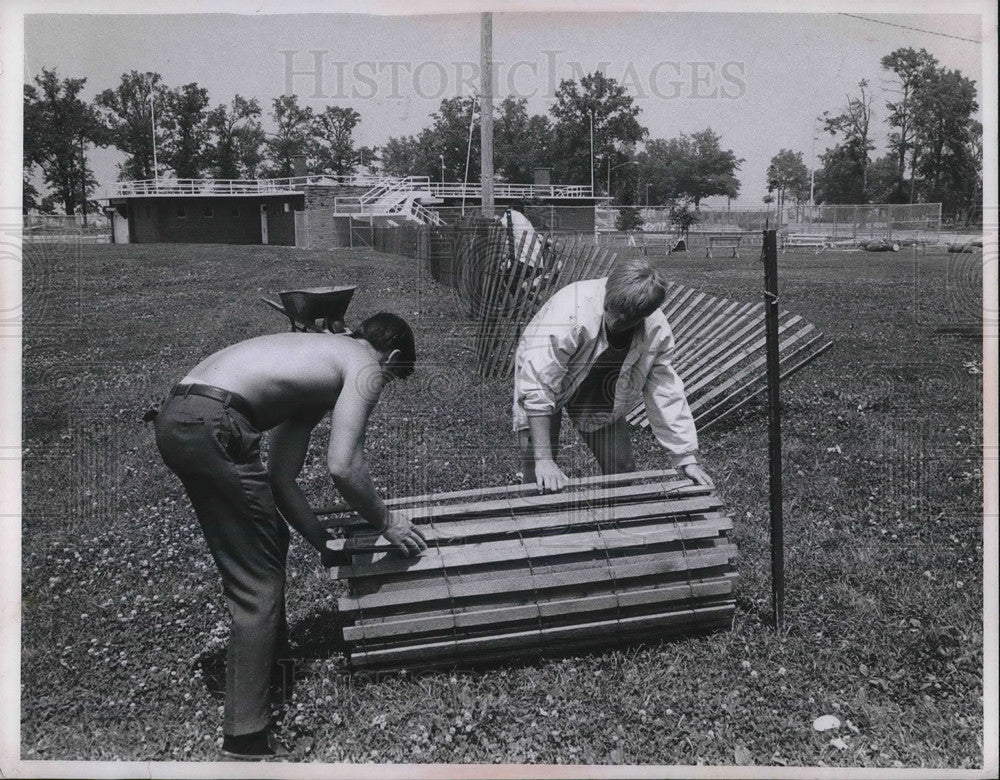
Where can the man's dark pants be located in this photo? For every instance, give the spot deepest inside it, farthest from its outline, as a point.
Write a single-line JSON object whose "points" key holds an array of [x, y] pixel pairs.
{"points": [[216, 453]]}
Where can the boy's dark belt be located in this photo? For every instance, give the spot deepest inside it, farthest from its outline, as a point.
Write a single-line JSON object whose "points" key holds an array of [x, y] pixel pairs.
{"points": [[233, 400]]}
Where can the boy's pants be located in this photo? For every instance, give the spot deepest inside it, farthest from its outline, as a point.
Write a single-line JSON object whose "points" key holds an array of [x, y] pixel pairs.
{"points": [[216, 453]]}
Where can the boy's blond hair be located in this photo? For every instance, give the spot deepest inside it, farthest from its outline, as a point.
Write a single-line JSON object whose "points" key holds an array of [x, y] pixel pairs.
{"points": [[634, 289]]}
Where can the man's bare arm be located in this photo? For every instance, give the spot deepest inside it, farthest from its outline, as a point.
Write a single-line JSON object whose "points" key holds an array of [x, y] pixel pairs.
{"points": [[346, 460], [287, 453]]}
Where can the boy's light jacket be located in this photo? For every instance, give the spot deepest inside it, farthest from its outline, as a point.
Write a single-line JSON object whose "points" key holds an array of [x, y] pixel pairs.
{"points": [[561, 344]]}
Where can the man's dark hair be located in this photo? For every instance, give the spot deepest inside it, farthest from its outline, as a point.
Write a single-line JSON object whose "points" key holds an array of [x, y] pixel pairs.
{"points": [[387, 332]]}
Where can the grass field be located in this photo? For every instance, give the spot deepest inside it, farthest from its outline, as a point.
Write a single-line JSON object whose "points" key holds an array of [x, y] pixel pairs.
{"points": [[124, 627]]}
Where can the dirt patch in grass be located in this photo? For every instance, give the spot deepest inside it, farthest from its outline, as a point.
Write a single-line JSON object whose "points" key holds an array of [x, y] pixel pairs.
{"points": [[124, 626]]}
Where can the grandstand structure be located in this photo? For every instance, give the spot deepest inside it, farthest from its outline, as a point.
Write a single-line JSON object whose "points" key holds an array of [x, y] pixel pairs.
{"points": [[313, 210]]}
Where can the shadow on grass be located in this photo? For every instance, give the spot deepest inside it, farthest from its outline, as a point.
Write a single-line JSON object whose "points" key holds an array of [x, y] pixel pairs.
{"points": [[316, 637]]}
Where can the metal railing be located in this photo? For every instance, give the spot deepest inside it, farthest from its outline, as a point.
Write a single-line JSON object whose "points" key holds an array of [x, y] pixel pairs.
{"points": [[425, 215], [146, 187], [380, 186], [506, 190]]}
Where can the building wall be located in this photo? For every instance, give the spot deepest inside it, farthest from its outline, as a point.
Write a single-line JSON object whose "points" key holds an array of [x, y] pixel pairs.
{"points": [[212, 220], [322, 196]]}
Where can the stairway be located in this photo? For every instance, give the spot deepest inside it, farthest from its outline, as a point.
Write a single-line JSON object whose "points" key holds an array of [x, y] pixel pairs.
{"points": [[392, 197]]}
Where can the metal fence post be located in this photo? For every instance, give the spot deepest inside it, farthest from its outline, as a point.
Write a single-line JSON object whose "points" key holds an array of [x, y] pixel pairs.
{"points": [[774, 426]]}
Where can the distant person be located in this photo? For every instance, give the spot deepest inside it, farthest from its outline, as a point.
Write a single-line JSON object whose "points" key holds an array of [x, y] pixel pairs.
{"points": [[592, 352], [208, 432], [525, 252]]}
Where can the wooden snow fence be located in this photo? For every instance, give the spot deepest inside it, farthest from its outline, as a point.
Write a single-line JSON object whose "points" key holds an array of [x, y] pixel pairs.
{"points": [[720, 352], [510, 573], [720, 344], [509, 281]]}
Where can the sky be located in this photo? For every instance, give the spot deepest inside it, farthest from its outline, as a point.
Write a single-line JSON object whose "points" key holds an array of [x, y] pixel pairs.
{"points": [[759, 80]]}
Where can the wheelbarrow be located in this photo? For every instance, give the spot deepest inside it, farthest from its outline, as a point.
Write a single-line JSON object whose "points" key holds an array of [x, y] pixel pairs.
{"points": [[304, 308]]}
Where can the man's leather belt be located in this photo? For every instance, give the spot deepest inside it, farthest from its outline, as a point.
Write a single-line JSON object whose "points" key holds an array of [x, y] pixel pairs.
{"points": [[232, 400]]}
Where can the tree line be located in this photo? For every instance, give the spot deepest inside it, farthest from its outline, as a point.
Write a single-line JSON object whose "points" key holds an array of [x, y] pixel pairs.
{"points": [[934, 144], [592, 131]]}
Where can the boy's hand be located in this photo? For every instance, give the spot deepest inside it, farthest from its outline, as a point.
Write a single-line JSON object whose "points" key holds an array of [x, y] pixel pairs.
{"points": [[404, 535], [548, 476], [697, 474]]}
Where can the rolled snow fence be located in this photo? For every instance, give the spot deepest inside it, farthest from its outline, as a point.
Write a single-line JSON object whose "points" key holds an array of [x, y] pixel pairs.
{"points": [[881, 246]]}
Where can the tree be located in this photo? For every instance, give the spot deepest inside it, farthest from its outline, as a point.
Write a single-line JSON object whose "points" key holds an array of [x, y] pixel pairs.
{"points": [[838, 179], [183, 119], [127, 115], [521, 142], [683, 217], [368, 158], [292, 138], [335, 151], [911, 69], [448, 137], [58, 128], [440, 150], [604, 102], [400, 156], [787, 175], [236, 138], [853, 124], [883, 180], [944, 133], [628, 217], [691, 166]]}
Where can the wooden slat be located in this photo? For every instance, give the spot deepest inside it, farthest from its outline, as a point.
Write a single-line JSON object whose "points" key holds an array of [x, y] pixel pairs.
{"points": [[725, 407], [543, 611], [530, 525], [523, 567], [603, 480], [701, 321], [688, 346], [555, 501], [700, 624], [719, 389], [745, 351], [425, 594], [707, 349], [521, 639], [485, 553]]}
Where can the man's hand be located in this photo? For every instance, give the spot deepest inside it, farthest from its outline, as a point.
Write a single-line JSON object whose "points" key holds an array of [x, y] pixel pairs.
{"points": [[404, 535], [697, 474], [548, 476], [331, 558]]}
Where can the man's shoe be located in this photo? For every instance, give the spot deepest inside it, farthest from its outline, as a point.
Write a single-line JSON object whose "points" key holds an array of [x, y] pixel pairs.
{"points": [[258, 746]]}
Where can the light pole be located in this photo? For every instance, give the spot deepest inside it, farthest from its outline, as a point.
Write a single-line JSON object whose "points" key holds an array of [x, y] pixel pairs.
{"points": [[152, 114], [591, 152], [442, 167], [812, 175]]}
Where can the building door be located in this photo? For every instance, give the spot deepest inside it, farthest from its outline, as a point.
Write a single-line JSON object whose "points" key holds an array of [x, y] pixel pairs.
{"points": [[263, 223]]}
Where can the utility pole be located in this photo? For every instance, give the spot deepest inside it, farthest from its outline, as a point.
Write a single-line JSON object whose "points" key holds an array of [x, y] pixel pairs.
{"points": [[83, 179], [486, 113]]}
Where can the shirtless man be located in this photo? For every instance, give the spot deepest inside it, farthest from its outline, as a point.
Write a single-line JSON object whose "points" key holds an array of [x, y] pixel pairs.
{"points": [[208, 432]]}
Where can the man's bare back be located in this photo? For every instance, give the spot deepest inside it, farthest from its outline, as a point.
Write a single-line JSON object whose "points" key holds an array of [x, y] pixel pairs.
{"points": [[285, 374]]}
